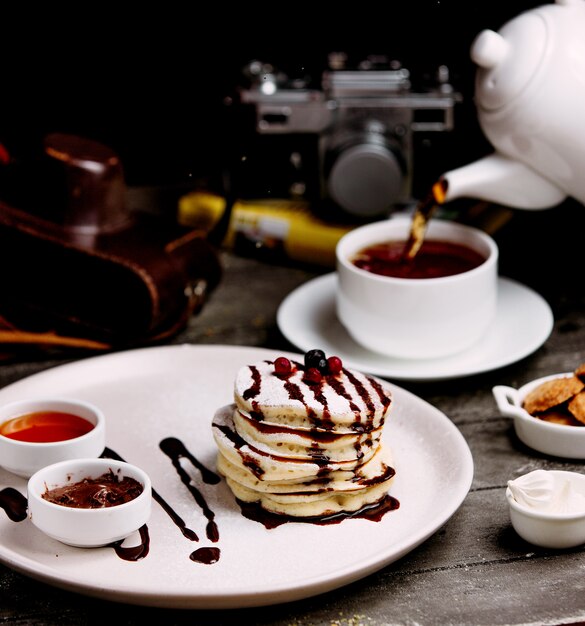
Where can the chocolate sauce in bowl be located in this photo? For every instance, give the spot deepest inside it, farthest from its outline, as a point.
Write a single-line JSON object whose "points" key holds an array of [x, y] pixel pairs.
{"points": [[101, 492]]}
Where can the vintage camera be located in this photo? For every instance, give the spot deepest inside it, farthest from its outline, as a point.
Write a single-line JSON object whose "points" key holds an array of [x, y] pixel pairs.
{"points": [[364, 118]]}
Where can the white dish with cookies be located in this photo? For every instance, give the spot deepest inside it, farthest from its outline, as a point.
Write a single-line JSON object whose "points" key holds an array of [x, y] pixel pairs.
{"points": [[548, 413]]}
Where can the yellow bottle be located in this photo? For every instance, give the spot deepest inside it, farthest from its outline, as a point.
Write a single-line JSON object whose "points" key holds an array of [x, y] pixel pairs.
{"points": [[285, 225]]}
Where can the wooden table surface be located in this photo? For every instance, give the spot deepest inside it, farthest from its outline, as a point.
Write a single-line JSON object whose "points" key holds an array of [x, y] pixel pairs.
{"points": [[474, 570]]}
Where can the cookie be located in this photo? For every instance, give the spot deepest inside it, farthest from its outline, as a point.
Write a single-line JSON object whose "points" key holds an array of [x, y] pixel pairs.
{"points": [[559, 417], [552, 393], [576, 406], [580, 371]]}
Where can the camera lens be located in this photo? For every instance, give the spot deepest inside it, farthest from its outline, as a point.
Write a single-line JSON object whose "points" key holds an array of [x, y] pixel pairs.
{"points": [[365, 178]]}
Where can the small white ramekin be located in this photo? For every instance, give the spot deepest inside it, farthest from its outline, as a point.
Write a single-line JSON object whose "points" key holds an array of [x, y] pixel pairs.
{"points": [[24, 458], [87, 527], [546, 529]]}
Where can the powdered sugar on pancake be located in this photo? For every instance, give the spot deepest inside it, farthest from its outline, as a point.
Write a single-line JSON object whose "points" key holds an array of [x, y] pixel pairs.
{"points": [[345, 402]]}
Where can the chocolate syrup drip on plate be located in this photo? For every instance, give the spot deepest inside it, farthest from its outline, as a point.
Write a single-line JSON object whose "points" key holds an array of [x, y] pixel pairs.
{"points": [[134, 553], [188, 533], [176, 451], [373, 512], [202, 555], [207, 556], [14, 504], [174, 448]]}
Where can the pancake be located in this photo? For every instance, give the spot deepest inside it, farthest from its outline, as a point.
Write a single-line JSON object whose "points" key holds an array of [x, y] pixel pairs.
{"points": [[347, 402], [302, 447]]}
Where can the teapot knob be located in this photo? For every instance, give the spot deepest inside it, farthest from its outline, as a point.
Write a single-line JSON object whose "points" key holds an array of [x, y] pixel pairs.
{"points": [[489, 49]]}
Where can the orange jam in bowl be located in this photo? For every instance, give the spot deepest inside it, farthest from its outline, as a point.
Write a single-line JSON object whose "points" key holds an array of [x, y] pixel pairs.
{"points": [[45, 426], [39, 432]]}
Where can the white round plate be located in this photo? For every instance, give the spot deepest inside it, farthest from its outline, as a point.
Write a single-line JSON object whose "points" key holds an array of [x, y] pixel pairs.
{"points": [[524, 321], [151, 394]]}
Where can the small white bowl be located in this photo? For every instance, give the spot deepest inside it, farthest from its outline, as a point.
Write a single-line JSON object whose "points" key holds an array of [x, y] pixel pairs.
{"points": [[24, 458], [87, 527], [550, 530], [555, 439]]}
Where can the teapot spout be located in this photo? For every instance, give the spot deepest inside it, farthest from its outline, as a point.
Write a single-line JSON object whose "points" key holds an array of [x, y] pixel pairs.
{"points": [[496, 178]]}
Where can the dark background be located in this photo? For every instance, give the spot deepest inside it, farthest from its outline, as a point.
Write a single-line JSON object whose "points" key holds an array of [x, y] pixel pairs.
{"points": [[151, 84]]}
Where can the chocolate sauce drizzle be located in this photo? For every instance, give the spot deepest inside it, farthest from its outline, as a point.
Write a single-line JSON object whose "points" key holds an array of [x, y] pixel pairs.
{"points": [[238, 442], [363, 393], [374, 513], [14, 504], [176, 451], [384, 398], [254, 390], [340, 389], [133, 553], [207, 556], [188, 533], [325, 422]]}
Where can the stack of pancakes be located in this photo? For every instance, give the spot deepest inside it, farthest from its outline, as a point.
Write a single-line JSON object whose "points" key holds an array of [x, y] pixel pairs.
{"points": [[301, 448]]}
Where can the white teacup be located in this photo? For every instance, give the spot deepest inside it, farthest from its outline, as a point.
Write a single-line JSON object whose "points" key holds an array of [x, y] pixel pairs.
{"points": [[416, 318]]}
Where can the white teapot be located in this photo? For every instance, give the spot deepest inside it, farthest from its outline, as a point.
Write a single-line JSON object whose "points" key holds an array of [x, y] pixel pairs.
{"points": [[530, 98]]}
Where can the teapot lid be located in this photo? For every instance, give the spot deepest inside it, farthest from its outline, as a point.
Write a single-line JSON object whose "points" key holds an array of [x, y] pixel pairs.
{"points": [[508, 59]]}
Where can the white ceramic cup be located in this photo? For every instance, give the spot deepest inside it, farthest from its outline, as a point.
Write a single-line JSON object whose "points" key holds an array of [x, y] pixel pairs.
{"points": [[416, 318]]}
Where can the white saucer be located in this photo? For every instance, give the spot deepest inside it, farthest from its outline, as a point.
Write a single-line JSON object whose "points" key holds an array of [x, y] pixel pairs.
{"points": [[523, 323]]}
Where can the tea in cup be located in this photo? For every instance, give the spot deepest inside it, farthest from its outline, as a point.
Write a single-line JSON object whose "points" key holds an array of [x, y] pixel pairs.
{"points": [[435, 305]]}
